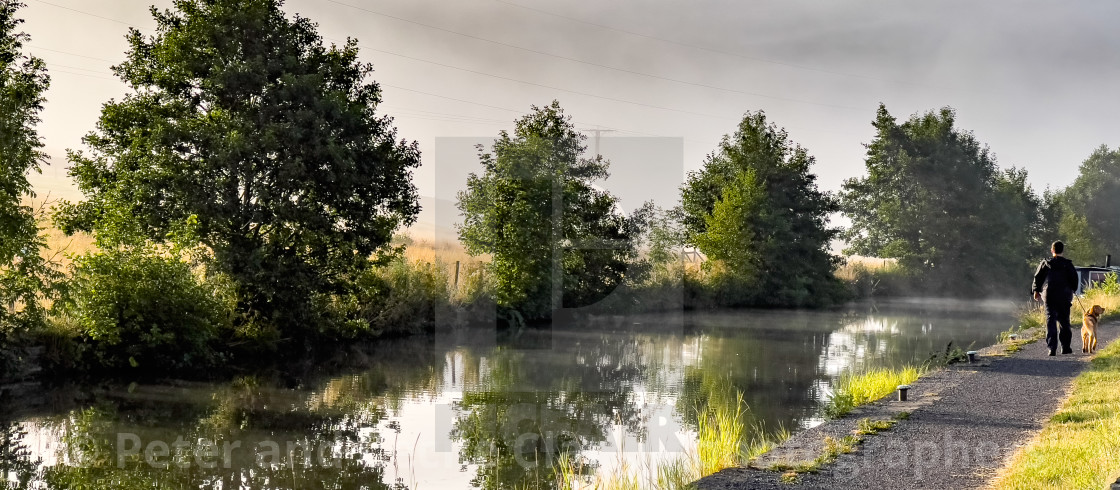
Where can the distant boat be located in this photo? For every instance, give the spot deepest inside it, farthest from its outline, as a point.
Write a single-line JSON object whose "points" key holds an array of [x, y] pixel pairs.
{"points": [[1090, 276]]}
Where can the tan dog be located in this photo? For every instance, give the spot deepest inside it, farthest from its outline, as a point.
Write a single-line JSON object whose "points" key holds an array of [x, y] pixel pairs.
{"points": [[1089, 328]]}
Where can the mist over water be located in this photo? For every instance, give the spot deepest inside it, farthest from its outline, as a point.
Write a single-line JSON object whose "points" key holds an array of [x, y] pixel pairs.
{"points": [[427, 412]]}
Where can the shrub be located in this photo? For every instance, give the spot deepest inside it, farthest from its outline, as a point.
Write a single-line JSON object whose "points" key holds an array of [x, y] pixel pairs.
{"points": [[399, 297], [137, 309]]}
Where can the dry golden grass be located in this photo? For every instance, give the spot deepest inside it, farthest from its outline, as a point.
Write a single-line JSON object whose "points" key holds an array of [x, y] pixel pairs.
{"points": [[852, 263], [59, 245], [1034, 314], [447, 252]]}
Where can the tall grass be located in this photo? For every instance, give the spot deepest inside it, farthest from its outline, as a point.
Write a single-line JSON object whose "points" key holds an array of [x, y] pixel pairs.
{"points": [[1080, 445], [1106, 295], [860, 388], [723, 440]]}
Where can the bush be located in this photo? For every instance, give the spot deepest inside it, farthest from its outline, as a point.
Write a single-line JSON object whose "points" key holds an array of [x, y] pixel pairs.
{"points": [[139, 310], [400, 297]]}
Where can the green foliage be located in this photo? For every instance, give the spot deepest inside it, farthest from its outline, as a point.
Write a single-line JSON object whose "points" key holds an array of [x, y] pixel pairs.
{"points": [[399, 297], [860, 388], [935, 200], [867, 427], [1110, 286], [1091, 208], [534, 209], [953, 354], [244, 134], [756, 209], [26, 278], [731, 229], [143, 312]]}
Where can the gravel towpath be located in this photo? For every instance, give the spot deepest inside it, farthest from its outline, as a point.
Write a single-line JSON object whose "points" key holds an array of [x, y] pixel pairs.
{"points": [[963, 424]]}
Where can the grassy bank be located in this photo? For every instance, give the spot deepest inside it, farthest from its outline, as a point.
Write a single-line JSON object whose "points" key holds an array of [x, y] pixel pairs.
{"points": [[1080, 445], [860, 388], [1106, 295]]}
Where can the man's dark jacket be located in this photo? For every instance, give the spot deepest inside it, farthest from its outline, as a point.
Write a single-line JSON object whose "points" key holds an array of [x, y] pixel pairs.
{"points": [[1056, 279]]}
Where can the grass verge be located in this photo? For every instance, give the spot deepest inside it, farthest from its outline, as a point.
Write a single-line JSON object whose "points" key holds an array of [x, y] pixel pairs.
{"points": [[833, 448], [1080, 445], [861, 388], [1106, 295]]}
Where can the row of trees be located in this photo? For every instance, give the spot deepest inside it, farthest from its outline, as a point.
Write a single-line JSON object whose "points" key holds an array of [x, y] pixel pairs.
{"points": [[246, 187]]}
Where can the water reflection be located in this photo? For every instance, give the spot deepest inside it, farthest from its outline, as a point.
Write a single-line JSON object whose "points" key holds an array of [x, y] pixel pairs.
{"points": [[496, 417]]}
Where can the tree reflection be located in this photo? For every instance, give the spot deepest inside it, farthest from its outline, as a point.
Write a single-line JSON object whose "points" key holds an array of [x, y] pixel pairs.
{"points": [[245, 436], [17, 466], [527, 412]]}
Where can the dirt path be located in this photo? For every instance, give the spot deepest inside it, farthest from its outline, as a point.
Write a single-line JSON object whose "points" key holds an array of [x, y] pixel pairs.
{"points": [[963, 423]]}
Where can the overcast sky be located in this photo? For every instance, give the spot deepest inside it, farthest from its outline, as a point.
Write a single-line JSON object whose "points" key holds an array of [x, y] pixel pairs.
{"points": [[1036, 81]]}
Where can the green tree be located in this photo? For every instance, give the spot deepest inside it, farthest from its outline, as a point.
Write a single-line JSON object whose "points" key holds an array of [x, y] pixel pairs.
{"points": [[935, 200], [244, 134], [534, 209], [733, 226], [25, 276], [1090, 219], [755, 207]]}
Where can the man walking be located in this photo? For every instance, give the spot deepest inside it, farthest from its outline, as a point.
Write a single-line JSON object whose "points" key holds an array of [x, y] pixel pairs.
{"points": [[1054, 283]]}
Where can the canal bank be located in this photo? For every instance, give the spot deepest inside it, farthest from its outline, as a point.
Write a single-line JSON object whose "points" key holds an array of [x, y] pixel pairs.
{"points": [[958, 428]]}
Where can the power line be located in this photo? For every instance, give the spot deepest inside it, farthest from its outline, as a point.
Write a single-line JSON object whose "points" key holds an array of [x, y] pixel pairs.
{"points": [[706, 48], [590, 63], [37, 47], [451, 67], [99, 72], [471, 71], [53, 71], [519, 112], [550, 87], [87, 13]]}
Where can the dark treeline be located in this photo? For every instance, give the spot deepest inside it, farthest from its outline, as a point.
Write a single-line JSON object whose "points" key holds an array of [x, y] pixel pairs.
{"points": [[244, 197]]}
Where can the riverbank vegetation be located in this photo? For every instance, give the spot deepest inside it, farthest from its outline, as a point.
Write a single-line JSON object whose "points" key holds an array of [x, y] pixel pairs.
{"points": [[723, 440], [854, 389], [1080, 445], [1106, 294]]}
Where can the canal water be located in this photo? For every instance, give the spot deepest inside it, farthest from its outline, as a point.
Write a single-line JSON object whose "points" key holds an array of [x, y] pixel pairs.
{"points": [[479, 410]]}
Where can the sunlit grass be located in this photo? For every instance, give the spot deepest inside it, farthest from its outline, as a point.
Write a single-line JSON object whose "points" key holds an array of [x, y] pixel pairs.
{"points": [[860, 388], [1080, 445], [854, 265], [1034, 314], [723, 440]]}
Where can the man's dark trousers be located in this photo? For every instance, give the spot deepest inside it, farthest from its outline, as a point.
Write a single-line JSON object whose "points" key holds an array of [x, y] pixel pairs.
{"points": [[1058, 314]]}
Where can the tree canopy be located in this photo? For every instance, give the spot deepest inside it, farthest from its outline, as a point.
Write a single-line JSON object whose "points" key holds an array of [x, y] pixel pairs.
{"points": [[1090, 208], [244, 134], [25, 276], [535, 210], [756, 208], [935, 200]]}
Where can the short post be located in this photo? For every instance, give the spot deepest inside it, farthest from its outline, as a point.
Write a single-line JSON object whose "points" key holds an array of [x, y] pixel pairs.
{"points": [[1013, 336], [902, 390], [456, 273], [971, 356]]}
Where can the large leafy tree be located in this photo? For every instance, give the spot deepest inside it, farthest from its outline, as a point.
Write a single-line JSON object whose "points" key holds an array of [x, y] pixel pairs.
{"points": [[245, 134], [535, 210], [756, 209], [935, 200], [25, 276], [1090, 208]]}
